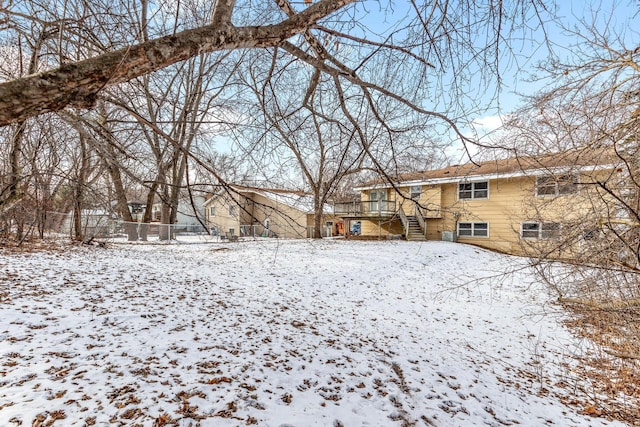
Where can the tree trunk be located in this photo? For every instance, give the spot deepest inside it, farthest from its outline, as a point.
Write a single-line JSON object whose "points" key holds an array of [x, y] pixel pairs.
{"points": [[317, 218], [148, 211], [165, 221], [78, 202], [77, 218], [121, 197]]}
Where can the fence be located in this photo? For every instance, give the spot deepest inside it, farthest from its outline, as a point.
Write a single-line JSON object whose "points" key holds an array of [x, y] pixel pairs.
{"points": [[133, 231], [61, 225], [326, 231], [100, 227], [282, 231]]}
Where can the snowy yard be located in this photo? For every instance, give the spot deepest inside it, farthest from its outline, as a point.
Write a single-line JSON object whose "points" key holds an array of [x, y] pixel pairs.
{"points": [[281, 333]]}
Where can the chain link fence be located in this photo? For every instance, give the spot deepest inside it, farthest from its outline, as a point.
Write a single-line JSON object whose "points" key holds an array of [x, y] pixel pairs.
{"points": [[99, 226]]}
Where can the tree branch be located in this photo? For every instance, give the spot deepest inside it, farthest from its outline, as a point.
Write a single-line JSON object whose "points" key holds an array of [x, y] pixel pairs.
{"points": [[77, 84]]}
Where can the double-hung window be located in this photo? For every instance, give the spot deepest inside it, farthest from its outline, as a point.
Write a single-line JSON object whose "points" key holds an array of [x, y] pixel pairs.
{"points": [[378, 200], [556, 185], [473, 190], [416, 190], [473, 229], [539, 230]]}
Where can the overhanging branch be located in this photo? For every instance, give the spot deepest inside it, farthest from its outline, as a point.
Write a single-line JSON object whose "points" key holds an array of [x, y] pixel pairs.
{"points": [[77, 84]]}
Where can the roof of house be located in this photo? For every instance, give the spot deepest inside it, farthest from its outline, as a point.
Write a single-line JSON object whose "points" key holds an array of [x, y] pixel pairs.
{"points": [[293, 198], [504, 168]]}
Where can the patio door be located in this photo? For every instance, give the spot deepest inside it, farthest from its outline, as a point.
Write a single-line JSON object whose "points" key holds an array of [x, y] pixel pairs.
{"points": [[377, 197]]}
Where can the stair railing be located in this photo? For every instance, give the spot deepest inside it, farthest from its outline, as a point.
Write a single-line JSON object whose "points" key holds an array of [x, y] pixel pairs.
{"points": [[421, 221], [404, 220]]}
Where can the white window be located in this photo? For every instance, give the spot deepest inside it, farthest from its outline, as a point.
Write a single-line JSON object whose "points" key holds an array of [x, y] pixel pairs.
{"points": [[377, 195], [556, 185], [473, 229], [415, 190], [377, 200], [232, 210], [212, 211], [539, 230], [473, 190]]}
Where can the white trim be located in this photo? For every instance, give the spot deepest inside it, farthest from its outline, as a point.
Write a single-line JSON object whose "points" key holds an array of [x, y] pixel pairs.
{"points": [[473, 190], [473, 229], [470, 178], [411, 187], [539, 230], [557, 184]]}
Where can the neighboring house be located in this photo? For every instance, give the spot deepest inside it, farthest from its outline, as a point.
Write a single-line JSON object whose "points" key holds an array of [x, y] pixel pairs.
{"points": [[137, 209], [190, 209], [95, 222], [248, 211], [497, 204]]}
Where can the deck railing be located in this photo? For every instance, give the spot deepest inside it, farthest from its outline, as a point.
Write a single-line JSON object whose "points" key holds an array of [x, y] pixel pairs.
{"points": [[366, 208]]}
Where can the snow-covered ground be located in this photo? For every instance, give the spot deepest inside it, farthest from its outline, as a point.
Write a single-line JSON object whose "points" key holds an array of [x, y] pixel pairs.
{"points": [[280, 333]]}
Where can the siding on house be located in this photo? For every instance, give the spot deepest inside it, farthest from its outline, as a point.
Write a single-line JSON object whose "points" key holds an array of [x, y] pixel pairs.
{"points": [[285, 221], [221, 221], [382, 229], [259, 212], [511, 200]]}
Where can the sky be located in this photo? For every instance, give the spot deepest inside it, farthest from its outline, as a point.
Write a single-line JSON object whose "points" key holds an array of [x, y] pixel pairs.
{"points": [[619, 16], [528, 47]]}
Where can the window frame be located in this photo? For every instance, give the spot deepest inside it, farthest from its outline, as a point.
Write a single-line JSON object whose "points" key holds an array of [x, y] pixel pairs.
{"points": [[232, 210], [413, 195], [550, 232], [473, 191], [212, 211], [557, 183], [472, 229]]}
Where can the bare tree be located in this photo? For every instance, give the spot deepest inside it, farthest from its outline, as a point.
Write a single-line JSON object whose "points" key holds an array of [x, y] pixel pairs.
{"points": [[297, 130], [432, 60], [431, 34], [592, 106], [595, 106], [175, 108]]}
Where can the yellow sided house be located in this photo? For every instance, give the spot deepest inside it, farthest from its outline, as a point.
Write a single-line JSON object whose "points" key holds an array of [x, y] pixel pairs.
{"points": [[505, 205], [241, 211]]}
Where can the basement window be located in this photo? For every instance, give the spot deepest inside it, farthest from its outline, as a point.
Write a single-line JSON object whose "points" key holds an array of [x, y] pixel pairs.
{"points": [[473, 229], [539, 230]]}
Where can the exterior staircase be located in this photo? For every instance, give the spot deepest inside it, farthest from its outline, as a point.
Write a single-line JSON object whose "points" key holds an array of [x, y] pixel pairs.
{"points": [[414, 231]]}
